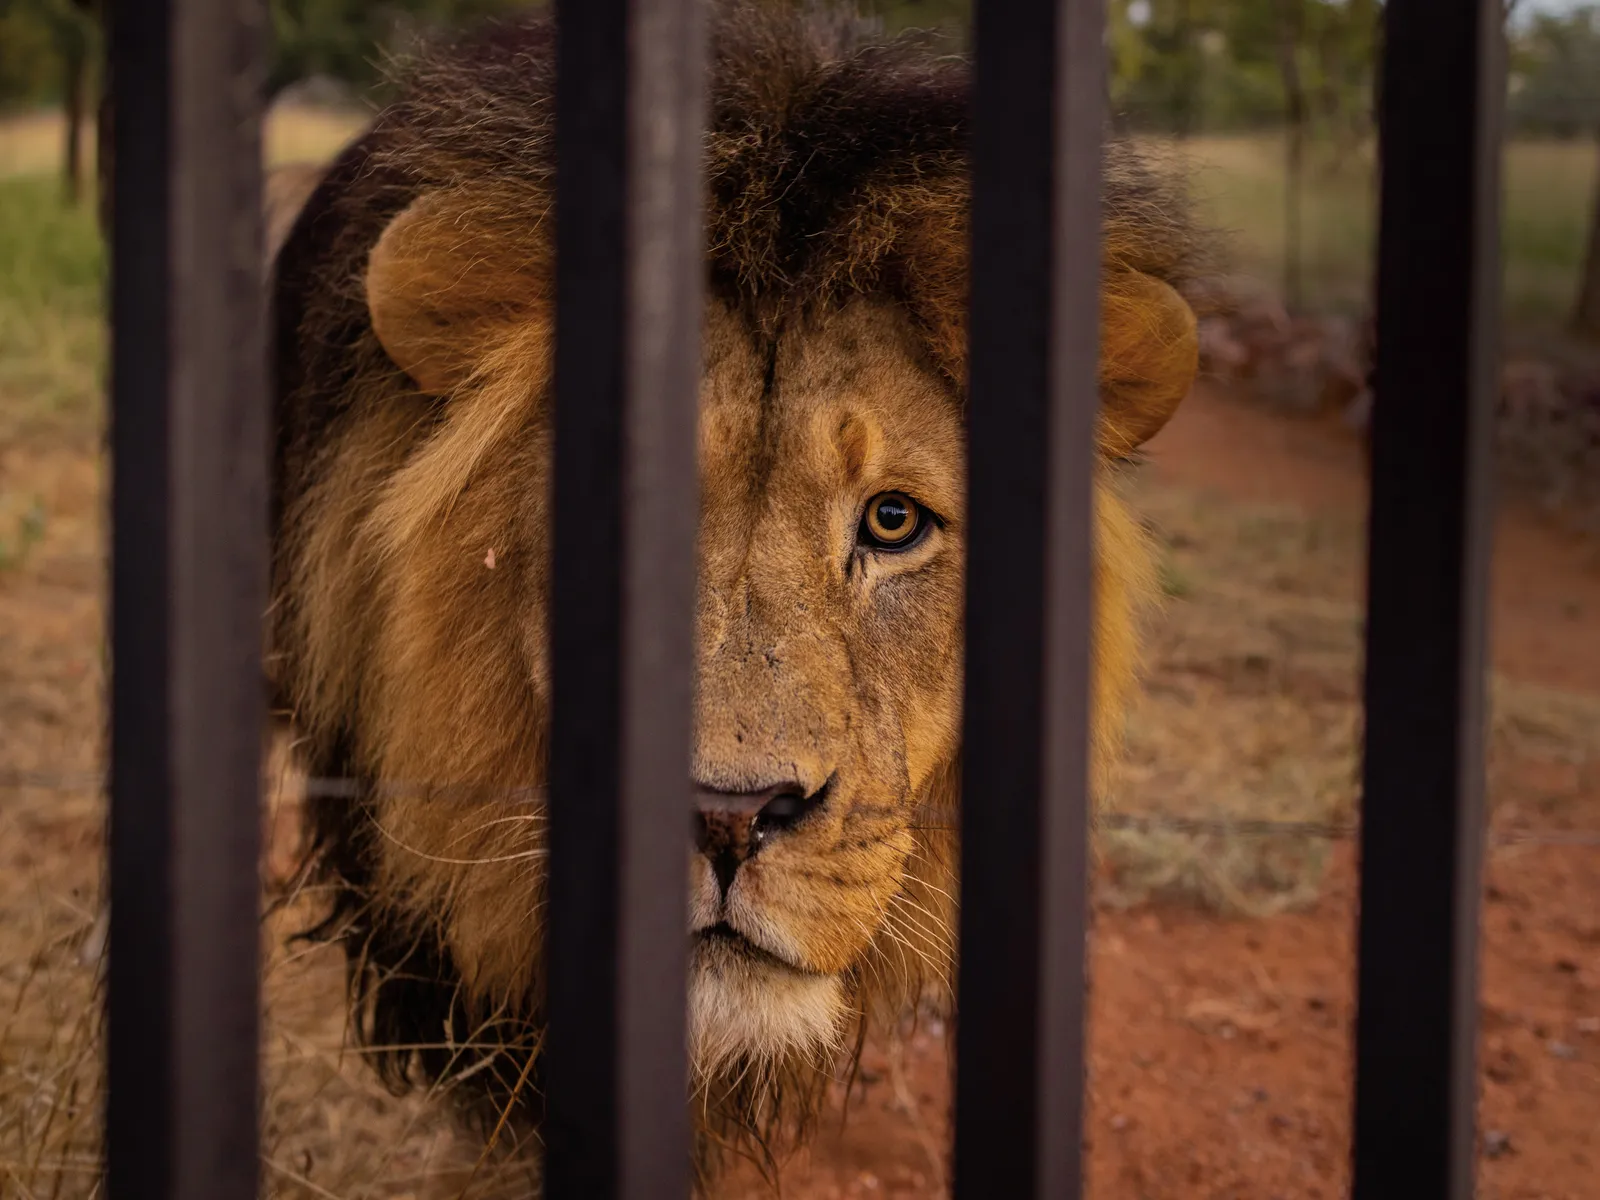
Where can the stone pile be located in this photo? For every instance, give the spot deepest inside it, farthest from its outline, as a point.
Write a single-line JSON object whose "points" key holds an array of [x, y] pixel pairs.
{"points": [[1547, 421]]}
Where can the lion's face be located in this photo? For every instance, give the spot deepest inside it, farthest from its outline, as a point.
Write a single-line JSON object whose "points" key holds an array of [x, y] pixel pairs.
{"points": [[829, 649], [414, 590], [828, 641]]}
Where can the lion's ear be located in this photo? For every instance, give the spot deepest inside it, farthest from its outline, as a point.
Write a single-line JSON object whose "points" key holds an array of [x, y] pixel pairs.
{"points": [[1149, 341], [450, 276], [1149, 354]]}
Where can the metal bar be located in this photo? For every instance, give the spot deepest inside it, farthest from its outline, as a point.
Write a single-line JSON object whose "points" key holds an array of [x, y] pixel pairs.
{"points": [[1422, 813], [1038, 114], [628, 285], [189, 536]]}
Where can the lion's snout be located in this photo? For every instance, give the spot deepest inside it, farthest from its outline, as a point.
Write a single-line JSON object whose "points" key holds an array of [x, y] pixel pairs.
{"points": [[730, 827]]}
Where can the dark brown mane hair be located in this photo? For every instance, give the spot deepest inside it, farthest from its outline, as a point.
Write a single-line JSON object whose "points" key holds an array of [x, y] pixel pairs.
{"points": [[812, 146]]}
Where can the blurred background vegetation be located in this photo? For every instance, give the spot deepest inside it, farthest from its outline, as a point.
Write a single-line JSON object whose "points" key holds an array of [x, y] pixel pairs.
{"points": [[1252, 706], [1269, 103]]}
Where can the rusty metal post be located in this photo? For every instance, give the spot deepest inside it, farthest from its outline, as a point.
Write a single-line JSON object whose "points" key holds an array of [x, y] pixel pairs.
{"points": [[1038, 117], [1422, 825], [189, 554], [628, 286]]}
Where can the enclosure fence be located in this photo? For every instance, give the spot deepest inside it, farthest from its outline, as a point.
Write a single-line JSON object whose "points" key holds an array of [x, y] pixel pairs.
{"points": [[189, 442]]}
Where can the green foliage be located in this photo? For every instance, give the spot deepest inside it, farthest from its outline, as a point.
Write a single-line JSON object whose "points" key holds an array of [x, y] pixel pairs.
{"points": [[52, 272], [948, 17], [1192, 65], [347, 40], [28, 70], [28, 533], [1175, 581], [36, 39], [1555, 76]]}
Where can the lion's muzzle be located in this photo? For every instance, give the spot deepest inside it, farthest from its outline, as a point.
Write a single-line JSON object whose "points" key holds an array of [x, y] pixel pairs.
{"points": [[730, 827]]}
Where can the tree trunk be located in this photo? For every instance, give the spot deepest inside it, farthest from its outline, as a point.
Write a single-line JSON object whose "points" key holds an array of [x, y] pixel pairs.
{"points": [[1293, 224], [1367, 17], [103, 121], [1294, 94], [74, 83], [1188, 76], [1586, 313]]}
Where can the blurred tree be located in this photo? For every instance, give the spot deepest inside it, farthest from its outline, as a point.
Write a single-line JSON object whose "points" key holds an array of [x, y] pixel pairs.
{"points": [[348, 40], [1297, 111], [1304, 65], [1188, 65], [78, 38], [28, 68], [48, 51], [1555, 90], [1555, 74]]}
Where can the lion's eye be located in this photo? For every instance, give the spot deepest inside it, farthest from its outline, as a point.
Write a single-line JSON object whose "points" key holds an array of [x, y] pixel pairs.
{"points": [[892, 521]]}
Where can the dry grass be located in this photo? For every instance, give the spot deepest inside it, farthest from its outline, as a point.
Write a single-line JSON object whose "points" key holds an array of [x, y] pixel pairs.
{"points": [[329, 1127], [1251, 710]]}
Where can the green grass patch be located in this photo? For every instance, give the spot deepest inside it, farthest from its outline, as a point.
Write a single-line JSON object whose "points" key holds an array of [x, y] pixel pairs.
{"points": [[1239, 183], [1175, 581], [29, 531], [52, 328]]}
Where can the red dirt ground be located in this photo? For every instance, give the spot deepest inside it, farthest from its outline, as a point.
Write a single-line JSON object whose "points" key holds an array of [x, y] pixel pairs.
{"points": [[1220, 1048]]}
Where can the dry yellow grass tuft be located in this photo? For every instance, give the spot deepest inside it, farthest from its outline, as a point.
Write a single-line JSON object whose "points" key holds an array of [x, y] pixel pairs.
{"points": [[1251, 711], [330, 1129]]}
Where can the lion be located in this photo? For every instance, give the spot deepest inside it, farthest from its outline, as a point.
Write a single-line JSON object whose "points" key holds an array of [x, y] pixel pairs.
{"points": [[413, 304]]}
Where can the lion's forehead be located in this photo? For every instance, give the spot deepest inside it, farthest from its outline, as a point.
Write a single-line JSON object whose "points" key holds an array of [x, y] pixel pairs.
{"points": [[811, 421]]}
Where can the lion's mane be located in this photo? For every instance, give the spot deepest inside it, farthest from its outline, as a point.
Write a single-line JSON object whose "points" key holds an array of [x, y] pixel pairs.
{"points": [[834, 168]]}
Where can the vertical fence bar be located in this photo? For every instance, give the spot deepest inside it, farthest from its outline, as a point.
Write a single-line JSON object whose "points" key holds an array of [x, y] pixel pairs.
{"points": [[1422, 807], [1035, 306], [628, 285], [189, 533]]}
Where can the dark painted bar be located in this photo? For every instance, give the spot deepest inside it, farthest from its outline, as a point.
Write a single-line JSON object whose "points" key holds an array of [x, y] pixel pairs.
{"points": [[1039, 110], [1422, 812], [189, 537], [628, 283]]}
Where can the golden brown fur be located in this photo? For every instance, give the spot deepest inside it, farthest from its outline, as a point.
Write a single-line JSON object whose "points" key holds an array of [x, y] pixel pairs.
{"points": [[411, 573]]}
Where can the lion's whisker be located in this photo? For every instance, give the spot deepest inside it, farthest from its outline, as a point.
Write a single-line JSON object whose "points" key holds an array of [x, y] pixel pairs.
{"points": [[520, 856]]}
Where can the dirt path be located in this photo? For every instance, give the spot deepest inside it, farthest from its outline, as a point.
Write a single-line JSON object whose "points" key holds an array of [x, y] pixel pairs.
{"points": [[1545, 614]]}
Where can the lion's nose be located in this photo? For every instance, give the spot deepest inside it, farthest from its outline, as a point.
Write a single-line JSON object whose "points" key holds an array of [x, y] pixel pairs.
{"points": [[731, 826]]}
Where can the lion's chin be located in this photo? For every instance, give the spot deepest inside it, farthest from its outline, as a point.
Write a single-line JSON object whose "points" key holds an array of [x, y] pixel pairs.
{"points": [[751, 1008]]}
